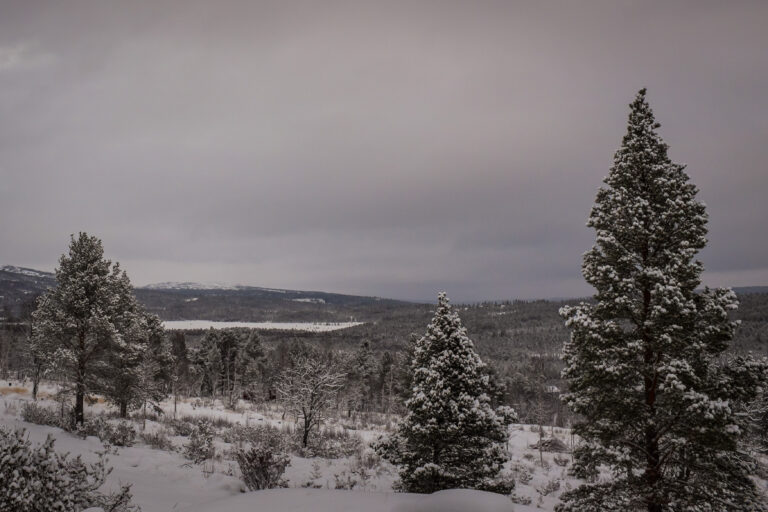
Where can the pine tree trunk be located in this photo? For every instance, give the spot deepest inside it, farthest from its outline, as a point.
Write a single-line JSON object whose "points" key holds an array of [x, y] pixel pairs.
{"points": [[80, 386], [652, 475], [79, 395], [305, 438], [123, 410], [35, 382]]}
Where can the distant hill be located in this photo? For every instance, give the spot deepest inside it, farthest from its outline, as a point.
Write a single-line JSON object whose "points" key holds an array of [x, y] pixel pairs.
{"points": [[19, 285], [744, 290], [193, 301], [186, 301], [221, 302]]}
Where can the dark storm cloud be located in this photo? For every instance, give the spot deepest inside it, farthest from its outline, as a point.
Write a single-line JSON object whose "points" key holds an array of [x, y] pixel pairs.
{"points": [[389, 148]]}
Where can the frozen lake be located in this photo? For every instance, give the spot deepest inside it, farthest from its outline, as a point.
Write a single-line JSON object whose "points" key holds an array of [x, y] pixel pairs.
{"points": [[290, 326]]}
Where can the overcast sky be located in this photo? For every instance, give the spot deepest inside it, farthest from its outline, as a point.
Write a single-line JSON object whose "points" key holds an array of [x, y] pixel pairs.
{"points": [[381, 148]]}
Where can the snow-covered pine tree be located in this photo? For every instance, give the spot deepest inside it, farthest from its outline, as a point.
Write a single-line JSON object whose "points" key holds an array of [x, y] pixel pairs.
{"points": [[77, 321], [451, 437], [132, 372], [138, 366], [643, 362]]}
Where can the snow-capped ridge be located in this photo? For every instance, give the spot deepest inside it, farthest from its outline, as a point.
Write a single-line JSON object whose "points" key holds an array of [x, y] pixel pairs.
{"points": [[187, 285], [25, 271]]}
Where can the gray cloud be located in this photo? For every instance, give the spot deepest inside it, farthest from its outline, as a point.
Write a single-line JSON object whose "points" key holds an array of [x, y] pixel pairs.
{"points": [[388, 148]]}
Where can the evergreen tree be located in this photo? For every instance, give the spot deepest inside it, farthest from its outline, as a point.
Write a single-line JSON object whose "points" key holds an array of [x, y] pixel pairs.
{"points": [[135, 370], [451, 437], [229, 360], [80, 320], [643, 360]]}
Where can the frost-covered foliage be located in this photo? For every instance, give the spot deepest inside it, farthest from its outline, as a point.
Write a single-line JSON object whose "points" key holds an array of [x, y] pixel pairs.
{"points": [[229, 362], [308, 389], [37, 479], [200, 446], [263, 462], [451, 437], [158, 440], [39, 415], [90, 329], [644, 361], [139, 360], [117, 434]]}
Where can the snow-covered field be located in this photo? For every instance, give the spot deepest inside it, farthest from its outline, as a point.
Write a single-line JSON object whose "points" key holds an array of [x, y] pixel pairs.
{"points": [[167, 481], [287, 326]]}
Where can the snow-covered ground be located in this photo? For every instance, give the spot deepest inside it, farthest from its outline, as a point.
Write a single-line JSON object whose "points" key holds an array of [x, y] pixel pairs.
{"points": [[167, 481], [287, 326]]}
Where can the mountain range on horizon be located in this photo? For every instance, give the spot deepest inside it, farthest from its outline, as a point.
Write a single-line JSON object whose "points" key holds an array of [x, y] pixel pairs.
{"points": [[222, 301]]}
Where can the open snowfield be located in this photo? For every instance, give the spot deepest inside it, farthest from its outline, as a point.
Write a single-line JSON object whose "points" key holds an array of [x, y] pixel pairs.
{"points": [[285, 326], [166, 481]]}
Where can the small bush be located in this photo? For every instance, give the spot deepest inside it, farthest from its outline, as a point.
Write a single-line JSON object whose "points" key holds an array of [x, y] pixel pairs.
{"points": [[329, 445], [200, 446], [522, 473], [262, 467], [37, 479], [212, 419], [346, 480], [549, 487], [182, 427], [241, 435], [261, 456], [503, 483], [561, 460], [520, 500], [158, 440], [39, 415], [120, 434]]}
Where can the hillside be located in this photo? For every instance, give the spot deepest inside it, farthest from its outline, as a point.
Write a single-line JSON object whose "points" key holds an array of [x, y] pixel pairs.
{"points": [[191, 301]]}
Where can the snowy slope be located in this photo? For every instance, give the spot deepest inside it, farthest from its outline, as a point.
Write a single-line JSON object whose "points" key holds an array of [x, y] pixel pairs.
{"points": [[166, 481]]}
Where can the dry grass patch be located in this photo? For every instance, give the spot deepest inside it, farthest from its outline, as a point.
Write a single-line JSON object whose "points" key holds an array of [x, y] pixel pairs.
{"points": [[13, 390]]}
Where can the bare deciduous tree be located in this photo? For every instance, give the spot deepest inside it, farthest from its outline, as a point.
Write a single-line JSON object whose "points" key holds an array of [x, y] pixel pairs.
{"points": [[307, 390]]}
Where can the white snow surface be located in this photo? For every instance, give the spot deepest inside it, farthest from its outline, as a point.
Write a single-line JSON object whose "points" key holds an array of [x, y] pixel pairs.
{"points": [[287, 326], [321, 500], [165, 481]]}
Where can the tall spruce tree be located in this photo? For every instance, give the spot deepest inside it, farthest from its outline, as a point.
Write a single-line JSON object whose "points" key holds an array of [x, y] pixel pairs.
{"points": [[451, 437], [644, 361]]}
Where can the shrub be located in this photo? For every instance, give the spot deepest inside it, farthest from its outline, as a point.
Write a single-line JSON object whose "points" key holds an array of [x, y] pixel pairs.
{"points": [[329, 445], [39, 415], [182, 427], [120, 434], [212, 419], [520, 500], [523, 474], [345, 480], [37, 479], [262, 466], [549, 487], [200, 446], [158, 440], [263, 462]]}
